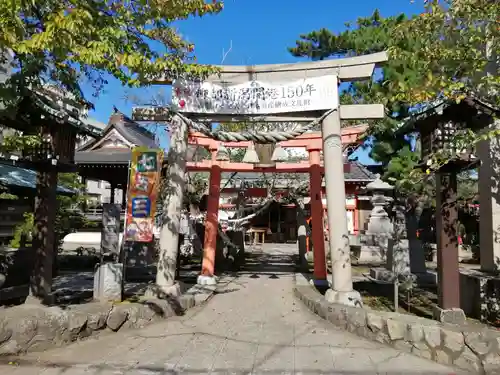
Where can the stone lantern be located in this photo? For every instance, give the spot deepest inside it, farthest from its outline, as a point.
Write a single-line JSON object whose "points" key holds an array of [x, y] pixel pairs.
{"points": [[373, 245], [379, 225]]}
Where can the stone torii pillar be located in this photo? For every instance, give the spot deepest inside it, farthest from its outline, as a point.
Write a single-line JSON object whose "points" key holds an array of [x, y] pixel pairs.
{"points": [[340, 254], [171, 217], [207, 276], [320, 274]]}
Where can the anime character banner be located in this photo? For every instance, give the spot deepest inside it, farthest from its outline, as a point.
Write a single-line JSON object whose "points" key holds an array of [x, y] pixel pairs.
{"points": [[144, 182]]}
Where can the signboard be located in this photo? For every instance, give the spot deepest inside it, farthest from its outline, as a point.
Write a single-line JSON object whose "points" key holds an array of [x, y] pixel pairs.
{"points": [[255, 97], [110, 233], [144, 181]]}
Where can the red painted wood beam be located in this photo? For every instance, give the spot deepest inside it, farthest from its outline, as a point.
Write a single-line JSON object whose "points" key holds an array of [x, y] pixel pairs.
{"points": [[226, 166]]}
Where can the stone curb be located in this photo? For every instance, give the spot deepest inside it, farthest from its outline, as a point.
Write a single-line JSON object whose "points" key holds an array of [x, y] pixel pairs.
{"points": [[474, 349], [33, 328]]}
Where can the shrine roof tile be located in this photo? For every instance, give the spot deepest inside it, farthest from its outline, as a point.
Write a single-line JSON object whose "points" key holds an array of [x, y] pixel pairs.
{"points": [[11, 175], [359, 172], [130, 130], [436, 107]]}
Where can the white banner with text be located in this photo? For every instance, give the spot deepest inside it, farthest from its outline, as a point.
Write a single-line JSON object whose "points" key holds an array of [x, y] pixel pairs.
{"points": [[256, 98]]}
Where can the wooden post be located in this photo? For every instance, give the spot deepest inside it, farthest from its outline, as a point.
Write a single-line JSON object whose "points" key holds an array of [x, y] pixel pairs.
{"points": [[112, 189], [320, 274], [447, 242], [124, 197], [356, 217], [211, 225], [85, 202], [44, 235]]}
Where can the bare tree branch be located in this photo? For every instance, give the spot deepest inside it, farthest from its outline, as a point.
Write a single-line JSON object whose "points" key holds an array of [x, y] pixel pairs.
{"points": [[224, 54]]}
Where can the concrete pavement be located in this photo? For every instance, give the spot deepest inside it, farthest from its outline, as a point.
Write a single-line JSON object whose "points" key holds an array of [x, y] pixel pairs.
{"points": [[253, 325]]}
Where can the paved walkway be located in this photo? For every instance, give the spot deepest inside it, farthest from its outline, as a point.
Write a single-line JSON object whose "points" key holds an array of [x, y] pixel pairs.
{"points": [[254, 325]]}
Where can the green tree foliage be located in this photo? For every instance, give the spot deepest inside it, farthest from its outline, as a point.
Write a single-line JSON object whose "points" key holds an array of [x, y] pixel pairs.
{"points": [[459, 41], [23, 229], [70, 217], [370, 35], [440, 53], [63, 42]]}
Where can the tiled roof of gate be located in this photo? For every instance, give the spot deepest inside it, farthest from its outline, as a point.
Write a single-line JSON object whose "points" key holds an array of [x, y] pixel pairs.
{"points": [[357, 173]]}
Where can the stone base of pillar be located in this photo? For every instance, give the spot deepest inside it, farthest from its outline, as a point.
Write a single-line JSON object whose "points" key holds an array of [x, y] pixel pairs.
{"points": [[162, 291], [352, 298], [426, 278], [381, 274], [304, 256], [207, 280], [320, 283], [450, 316], [478, 294], [108, 279]]}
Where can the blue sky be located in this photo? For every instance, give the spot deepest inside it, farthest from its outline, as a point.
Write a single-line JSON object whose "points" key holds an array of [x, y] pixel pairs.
{"points": [[260, 32]]}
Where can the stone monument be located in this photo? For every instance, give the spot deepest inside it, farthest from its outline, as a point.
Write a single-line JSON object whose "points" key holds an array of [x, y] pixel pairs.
{"points": [[405, 257], [413, 216], [398, 252], [108, 277]]}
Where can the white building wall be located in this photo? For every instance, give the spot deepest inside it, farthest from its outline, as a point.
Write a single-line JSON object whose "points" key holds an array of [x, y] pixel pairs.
{"points": [[101, 192]]}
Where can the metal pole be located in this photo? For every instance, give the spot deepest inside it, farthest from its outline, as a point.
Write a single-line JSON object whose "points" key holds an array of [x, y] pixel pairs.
{"points": [[396, 294]]}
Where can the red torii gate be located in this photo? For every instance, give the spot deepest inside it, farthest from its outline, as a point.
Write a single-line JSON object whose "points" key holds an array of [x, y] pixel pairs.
{"points": [[312, 142]]}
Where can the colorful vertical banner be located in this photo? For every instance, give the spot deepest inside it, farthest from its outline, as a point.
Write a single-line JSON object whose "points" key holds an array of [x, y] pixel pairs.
{"points": [[143, 185]]}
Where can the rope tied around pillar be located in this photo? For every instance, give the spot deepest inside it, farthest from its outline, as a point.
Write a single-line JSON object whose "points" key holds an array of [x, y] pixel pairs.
{"points": [[257, 137]]}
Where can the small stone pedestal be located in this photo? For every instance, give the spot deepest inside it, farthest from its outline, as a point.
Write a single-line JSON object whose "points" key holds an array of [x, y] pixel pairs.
{"points": [[398, 262], [393, 268], [429, 278], [207, 280], [480, 294], [449, 316], [108, 282]]}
